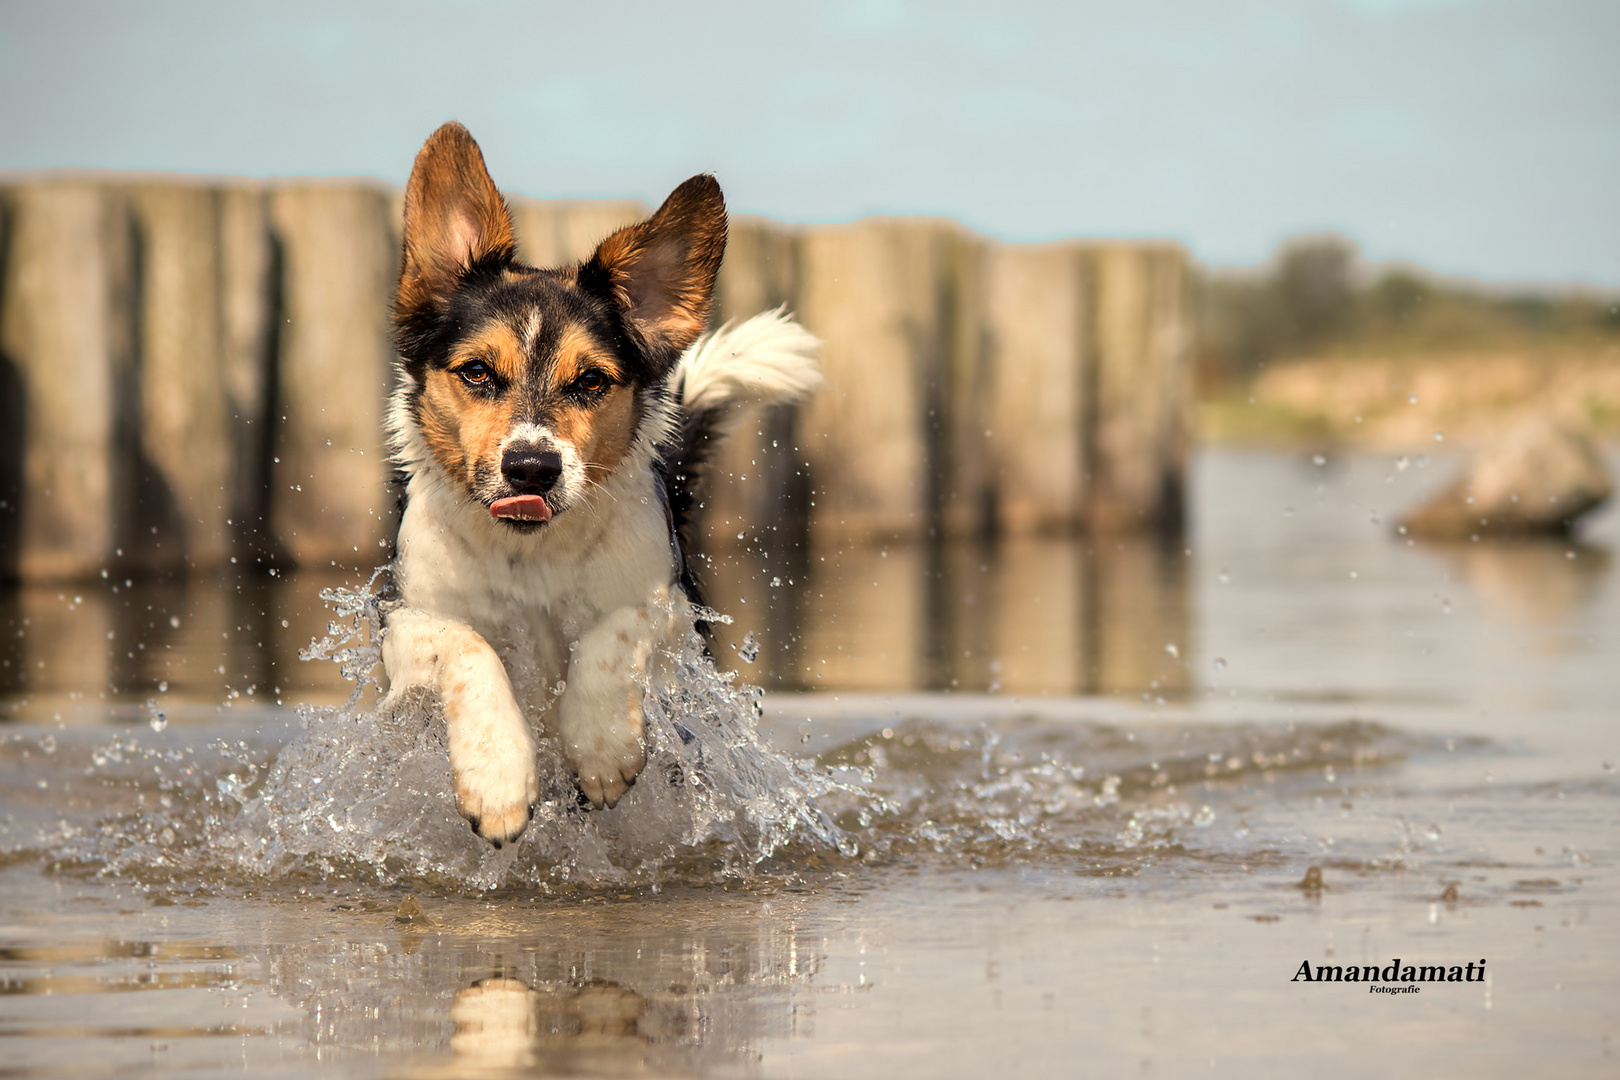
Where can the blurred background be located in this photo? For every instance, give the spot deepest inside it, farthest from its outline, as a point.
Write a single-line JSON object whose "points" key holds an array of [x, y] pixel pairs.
{"points": [[1172, 347]]}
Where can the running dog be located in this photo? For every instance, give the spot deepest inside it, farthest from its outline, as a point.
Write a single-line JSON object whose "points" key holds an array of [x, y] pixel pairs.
{"points": [[550, 426]]}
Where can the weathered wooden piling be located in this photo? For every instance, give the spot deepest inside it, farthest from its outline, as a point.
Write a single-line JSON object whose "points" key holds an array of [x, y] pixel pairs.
{"points": [[183, 445], [881, 295], [66, 330], [330, 501], [191, 373], [1040, 387], [758, 482], [1140, 424], [250, 320], [556, 233]]}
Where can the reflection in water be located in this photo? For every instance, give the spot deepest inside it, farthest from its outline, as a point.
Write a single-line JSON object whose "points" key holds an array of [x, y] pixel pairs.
{"points": [[683, 984], [502, 1023], [687, 985], [67, 651], [1024, 616], [1540, 582], [1035, 616]]}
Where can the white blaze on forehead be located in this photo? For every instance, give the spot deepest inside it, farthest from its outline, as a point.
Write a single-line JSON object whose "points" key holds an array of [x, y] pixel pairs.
{"points": [[531, 330]]}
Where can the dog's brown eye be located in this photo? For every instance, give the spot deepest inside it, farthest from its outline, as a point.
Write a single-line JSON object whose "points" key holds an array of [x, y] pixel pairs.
{"points": [[475, 373], [592, 382]]}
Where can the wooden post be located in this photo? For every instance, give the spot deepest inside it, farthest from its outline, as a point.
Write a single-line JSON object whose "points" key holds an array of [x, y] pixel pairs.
{"points": [[1037, 409], [1139, 443], [756, 498], [758, 484], [964, 480], [185, 450], [879, 295], [67, 340], [559, 232], [250, 306], [330, 501], [13, 428]]}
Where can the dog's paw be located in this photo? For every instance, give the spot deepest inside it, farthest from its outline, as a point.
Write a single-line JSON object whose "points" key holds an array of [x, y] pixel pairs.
{"points": [[606, 758], [497, 793], [492, 757]]}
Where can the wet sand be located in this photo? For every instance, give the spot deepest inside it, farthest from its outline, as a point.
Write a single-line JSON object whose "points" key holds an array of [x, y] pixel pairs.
{"points": [[1096, 855]]}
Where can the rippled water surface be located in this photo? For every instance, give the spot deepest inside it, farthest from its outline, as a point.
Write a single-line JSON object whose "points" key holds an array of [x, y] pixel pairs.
{"points": [[1058, 804]]}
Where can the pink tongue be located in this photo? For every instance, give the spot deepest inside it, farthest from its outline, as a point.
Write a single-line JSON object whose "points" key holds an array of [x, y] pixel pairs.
{"points": [[521, 508]]}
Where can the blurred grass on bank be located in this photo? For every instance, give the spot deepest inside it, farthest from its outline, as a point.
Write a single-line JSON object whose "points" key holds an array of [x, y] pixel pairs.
{"points": [[1316, 348]]}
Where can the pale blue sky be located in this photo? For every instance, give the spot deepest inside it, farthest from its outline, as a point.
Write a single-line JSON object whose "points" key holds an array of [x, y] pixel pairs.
{"points": [[1477, 137]]}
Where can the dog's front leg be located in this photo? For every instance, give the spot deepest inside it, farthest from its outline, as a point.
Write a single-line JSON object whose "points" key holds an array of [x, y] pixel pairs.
{"points": [[492, 752], [600, 713]]}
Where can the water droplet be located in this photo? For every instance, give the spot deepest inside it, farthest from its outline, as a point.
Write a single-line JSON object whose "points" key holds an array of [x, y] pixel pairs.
{"points": [[1439, 437], [749, 652], [48, 744], [1204, 818], [1412, 400], [1220, 663], [1171, 649], [1433, 832], [174, 622], [155, 717], [1328, 774], [163, 686], [1319, 460], [1225, 578]]}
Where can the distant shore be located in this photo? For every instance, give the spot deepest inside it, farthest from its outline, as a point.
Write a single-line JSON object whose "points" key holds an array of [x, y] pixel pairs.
{"points": [[1416, 402]]}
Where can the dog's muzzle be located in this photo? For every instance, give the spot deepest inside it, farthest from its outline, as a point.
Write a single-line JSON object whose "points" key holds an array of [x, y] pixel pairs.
{"points": [[530, 473]]}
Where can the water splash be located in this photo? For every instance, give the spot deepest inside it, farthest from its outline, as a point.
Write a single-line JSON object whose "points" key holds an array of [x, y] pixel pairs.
{"points": [[353, 638], [368, 792]]}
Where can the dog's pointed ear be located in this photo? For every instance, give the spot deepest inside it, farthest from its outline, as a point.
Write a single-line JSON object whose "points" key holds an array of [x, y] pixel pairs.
{"points": [[455, 220], [661, 272]]}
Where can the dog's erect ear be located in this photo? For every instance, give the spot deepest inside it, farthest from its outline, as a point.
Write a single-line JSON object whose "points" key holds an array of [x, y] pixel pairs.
{"points": [[454, 220], [661, 272]]}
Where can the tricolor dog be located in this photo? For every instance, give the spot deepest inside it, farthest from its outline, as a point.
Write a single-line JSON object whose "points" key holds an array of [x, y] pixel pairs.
{"points": [[548, 424]]}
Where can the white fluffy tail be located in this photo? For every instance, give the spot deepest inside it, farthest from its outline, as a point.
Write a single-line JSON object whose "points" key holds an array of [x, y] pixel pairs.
{"points": [[766, 360]]}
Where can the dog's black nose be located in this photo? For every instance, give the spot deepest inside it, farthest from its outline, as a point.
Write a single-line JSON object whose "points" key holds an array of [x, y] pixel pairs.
{"points": [[531, 472]]}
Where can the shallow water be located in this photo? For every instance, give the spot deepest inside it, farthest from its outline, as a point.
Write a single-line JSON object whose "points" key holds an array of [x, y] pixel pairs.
{"points": [[1094, 854]]}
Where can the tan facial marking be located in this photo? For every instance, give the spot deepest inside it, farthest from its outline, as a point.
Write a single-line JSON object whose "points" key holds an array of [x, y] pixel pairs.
{"points": [[460, 426], [463, 428], [601, 431], [601, 434]]}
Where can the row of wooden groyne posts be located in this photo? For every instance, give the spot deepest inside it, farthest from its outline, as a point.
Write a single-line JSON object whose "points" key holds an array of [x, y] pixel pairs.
{"points": [[194, 373]]}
